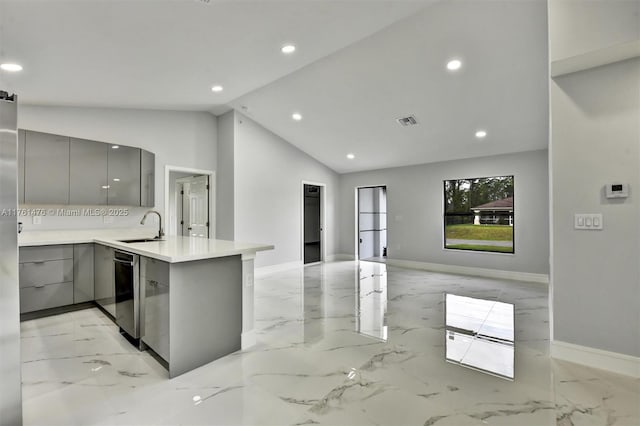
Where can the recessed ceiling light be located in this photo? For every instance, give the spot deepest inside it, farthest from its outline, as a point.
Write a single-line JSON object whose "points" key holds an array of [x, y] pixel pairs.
{"points": [[115, 147], [217, 88], [481, 134], [288, 49], [351, 156], [454, 65], [296, 116], [11, 67], [116, 179]]}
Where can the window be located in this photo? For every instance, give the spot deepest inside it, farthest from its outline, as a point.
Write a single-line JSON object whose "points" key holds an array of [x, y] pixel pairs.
{"points": [[478, 214]]}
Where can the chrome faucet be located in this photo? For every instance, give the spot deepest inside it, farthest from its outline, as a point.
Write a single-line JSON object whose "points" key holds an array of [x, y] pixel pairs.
{"points": [[160, 230]]}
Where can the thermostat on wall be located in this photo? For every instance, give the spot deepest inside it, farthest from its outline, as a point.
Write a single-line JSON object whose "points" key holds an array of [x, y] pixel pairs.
{"points": [[617, 190]]}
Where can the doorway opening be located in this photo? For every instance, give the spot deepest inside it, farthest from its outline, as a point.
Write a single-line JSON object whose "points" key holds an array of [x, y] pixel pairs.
{"points": [[372, 223], [189, 202], [312, 222]]}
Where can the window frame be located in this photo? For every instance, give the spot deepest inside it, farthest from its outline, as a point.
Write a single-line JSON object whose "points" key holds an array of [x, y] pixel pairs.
{"points": [[445, 215]]}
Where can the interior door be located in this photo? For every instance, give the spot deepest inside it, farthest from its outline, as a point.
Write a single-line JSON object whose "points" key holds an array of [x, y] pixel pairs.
{"points": [[372, 222], [195, 207], [312, 224]]}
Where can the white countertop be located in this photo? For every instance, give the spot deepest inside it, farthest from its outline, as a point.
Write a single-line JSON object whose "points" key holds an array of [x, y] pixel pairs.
{"points": [[172, 249]]}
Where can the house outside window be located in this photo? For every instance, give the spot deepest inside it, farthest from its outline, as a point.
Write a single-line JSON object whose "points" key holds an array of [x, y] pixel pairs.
{"points": [[479, 214]]}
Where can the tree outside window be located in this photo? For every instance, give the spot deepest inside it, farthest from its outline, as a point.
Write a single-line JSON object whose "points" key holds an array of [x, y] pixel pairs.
{"points": [[479, 214]]}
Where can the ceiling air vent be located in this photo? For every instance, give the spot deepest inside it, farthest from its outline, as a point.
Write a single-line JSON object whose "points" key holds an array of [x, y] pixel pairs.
{"points": [[407, 121]]}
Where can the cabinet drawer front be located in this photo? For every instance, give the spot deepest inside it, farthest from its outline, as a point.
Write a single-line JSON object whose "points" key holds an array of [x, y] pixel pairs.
{"points": [[39, 254], [44, 273], [49, 296]]}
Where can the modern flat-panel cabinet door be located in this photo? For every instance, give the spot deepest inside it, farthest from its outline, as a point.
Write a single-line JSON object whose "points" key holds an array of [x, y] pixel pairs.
{"points": [[88, 172], [124, 176], [148, 178], [46, 163], [21, 145], [104, 279], [154, 282], [83, 273]]}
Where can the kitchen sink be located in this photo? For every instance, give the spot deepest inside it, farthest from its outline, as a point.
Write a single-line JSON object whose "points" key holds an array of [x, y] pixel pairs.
{"points": [[140, 240]]}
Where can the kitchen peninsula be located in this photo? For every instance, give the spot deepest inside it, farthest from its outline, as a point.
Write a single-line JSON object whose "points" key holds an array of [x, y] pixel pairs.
{"points": [[195, 294]]}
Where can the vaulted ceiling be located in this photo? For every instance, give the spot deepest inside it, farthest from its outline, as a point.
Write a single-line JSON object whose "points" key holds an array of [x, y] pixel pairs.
{"points": [[358, 66]]}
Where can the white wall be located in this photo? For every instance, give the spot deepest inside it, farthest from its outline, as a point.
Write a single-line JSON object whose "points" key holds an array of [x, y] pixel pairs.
{"points": [[595, 140], [580, 26], [187, 139], [268, 193], [225, 186], [415, 211]]}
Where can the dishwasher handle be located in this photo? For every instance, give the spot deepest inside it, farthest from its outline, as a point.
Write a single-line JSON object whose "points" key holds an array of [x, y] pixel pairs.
{"points": [[126, 262]]}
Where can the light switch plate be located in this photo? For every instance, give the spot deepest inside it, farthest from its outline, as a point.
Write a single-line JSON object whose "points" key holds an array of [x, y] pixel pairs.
{"points": [[588, 221]]}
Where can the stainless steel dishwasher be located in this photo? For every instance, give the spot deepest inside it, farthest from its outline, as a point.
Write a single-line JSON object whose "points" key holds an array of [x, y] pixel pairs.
{"points": [[127, 280]]}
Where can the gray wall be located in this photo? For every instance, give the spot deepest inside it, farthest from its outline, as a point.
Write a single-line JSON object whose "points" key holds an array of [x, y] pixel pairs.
{"points": [[178, 138], [268, 193], [225, 177], [415, 209], [595, 140]]}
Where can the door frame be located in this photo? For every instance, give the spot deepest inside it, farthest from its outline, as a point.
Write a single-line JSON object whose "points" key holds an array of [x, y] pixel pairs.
{"points": [[212, 194], [323, 217], [356, 240]]}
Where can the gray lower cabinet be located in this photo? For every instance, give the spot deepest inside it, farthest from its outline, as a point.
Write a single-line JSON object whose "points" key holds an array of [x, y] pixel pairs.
{"points": [[88, 172], [83, 273], [46, 168], [154, 281], [46, 277], [123, 173], [104, 280]]}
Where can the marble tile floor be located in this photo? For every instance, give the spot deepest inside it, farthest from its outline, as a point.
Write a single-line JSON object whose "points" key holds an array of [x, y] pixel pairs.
{"points": [[340, 343]]}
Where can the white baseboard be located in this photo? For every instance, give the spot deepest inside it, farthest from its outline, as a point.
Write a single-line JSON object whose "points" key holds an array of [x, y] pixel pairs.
{"points": [[468, 270], [435, 267], [340, 256], [596, 358], [247, 339], [264, 270]]}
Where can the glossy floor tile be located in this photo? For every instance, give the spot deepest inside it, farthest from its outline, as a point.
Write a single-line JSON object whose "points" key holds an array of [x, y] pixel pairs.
{"points": [[338, 344]]}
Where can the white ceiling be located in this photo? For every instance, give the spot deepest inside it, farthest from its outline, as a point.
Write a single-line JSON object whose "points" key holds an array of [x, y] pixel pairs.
{"points": [[350, 100], [166, 54], [360, 64]]}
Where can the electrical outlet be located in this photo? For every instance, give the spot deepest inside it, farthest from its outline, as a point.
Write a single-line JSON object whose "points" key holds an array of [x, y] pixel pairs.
{"points": [[37, 220], [589, 221], [107, 219]]}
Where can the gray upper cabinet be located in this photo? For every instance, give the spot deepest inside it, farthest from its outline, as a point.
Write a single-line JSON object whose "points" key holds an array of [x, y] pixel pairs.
{"points": [[21, 145], [46, 169], [88, 172], [148, 178], [55, 169], [124, 176]]}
